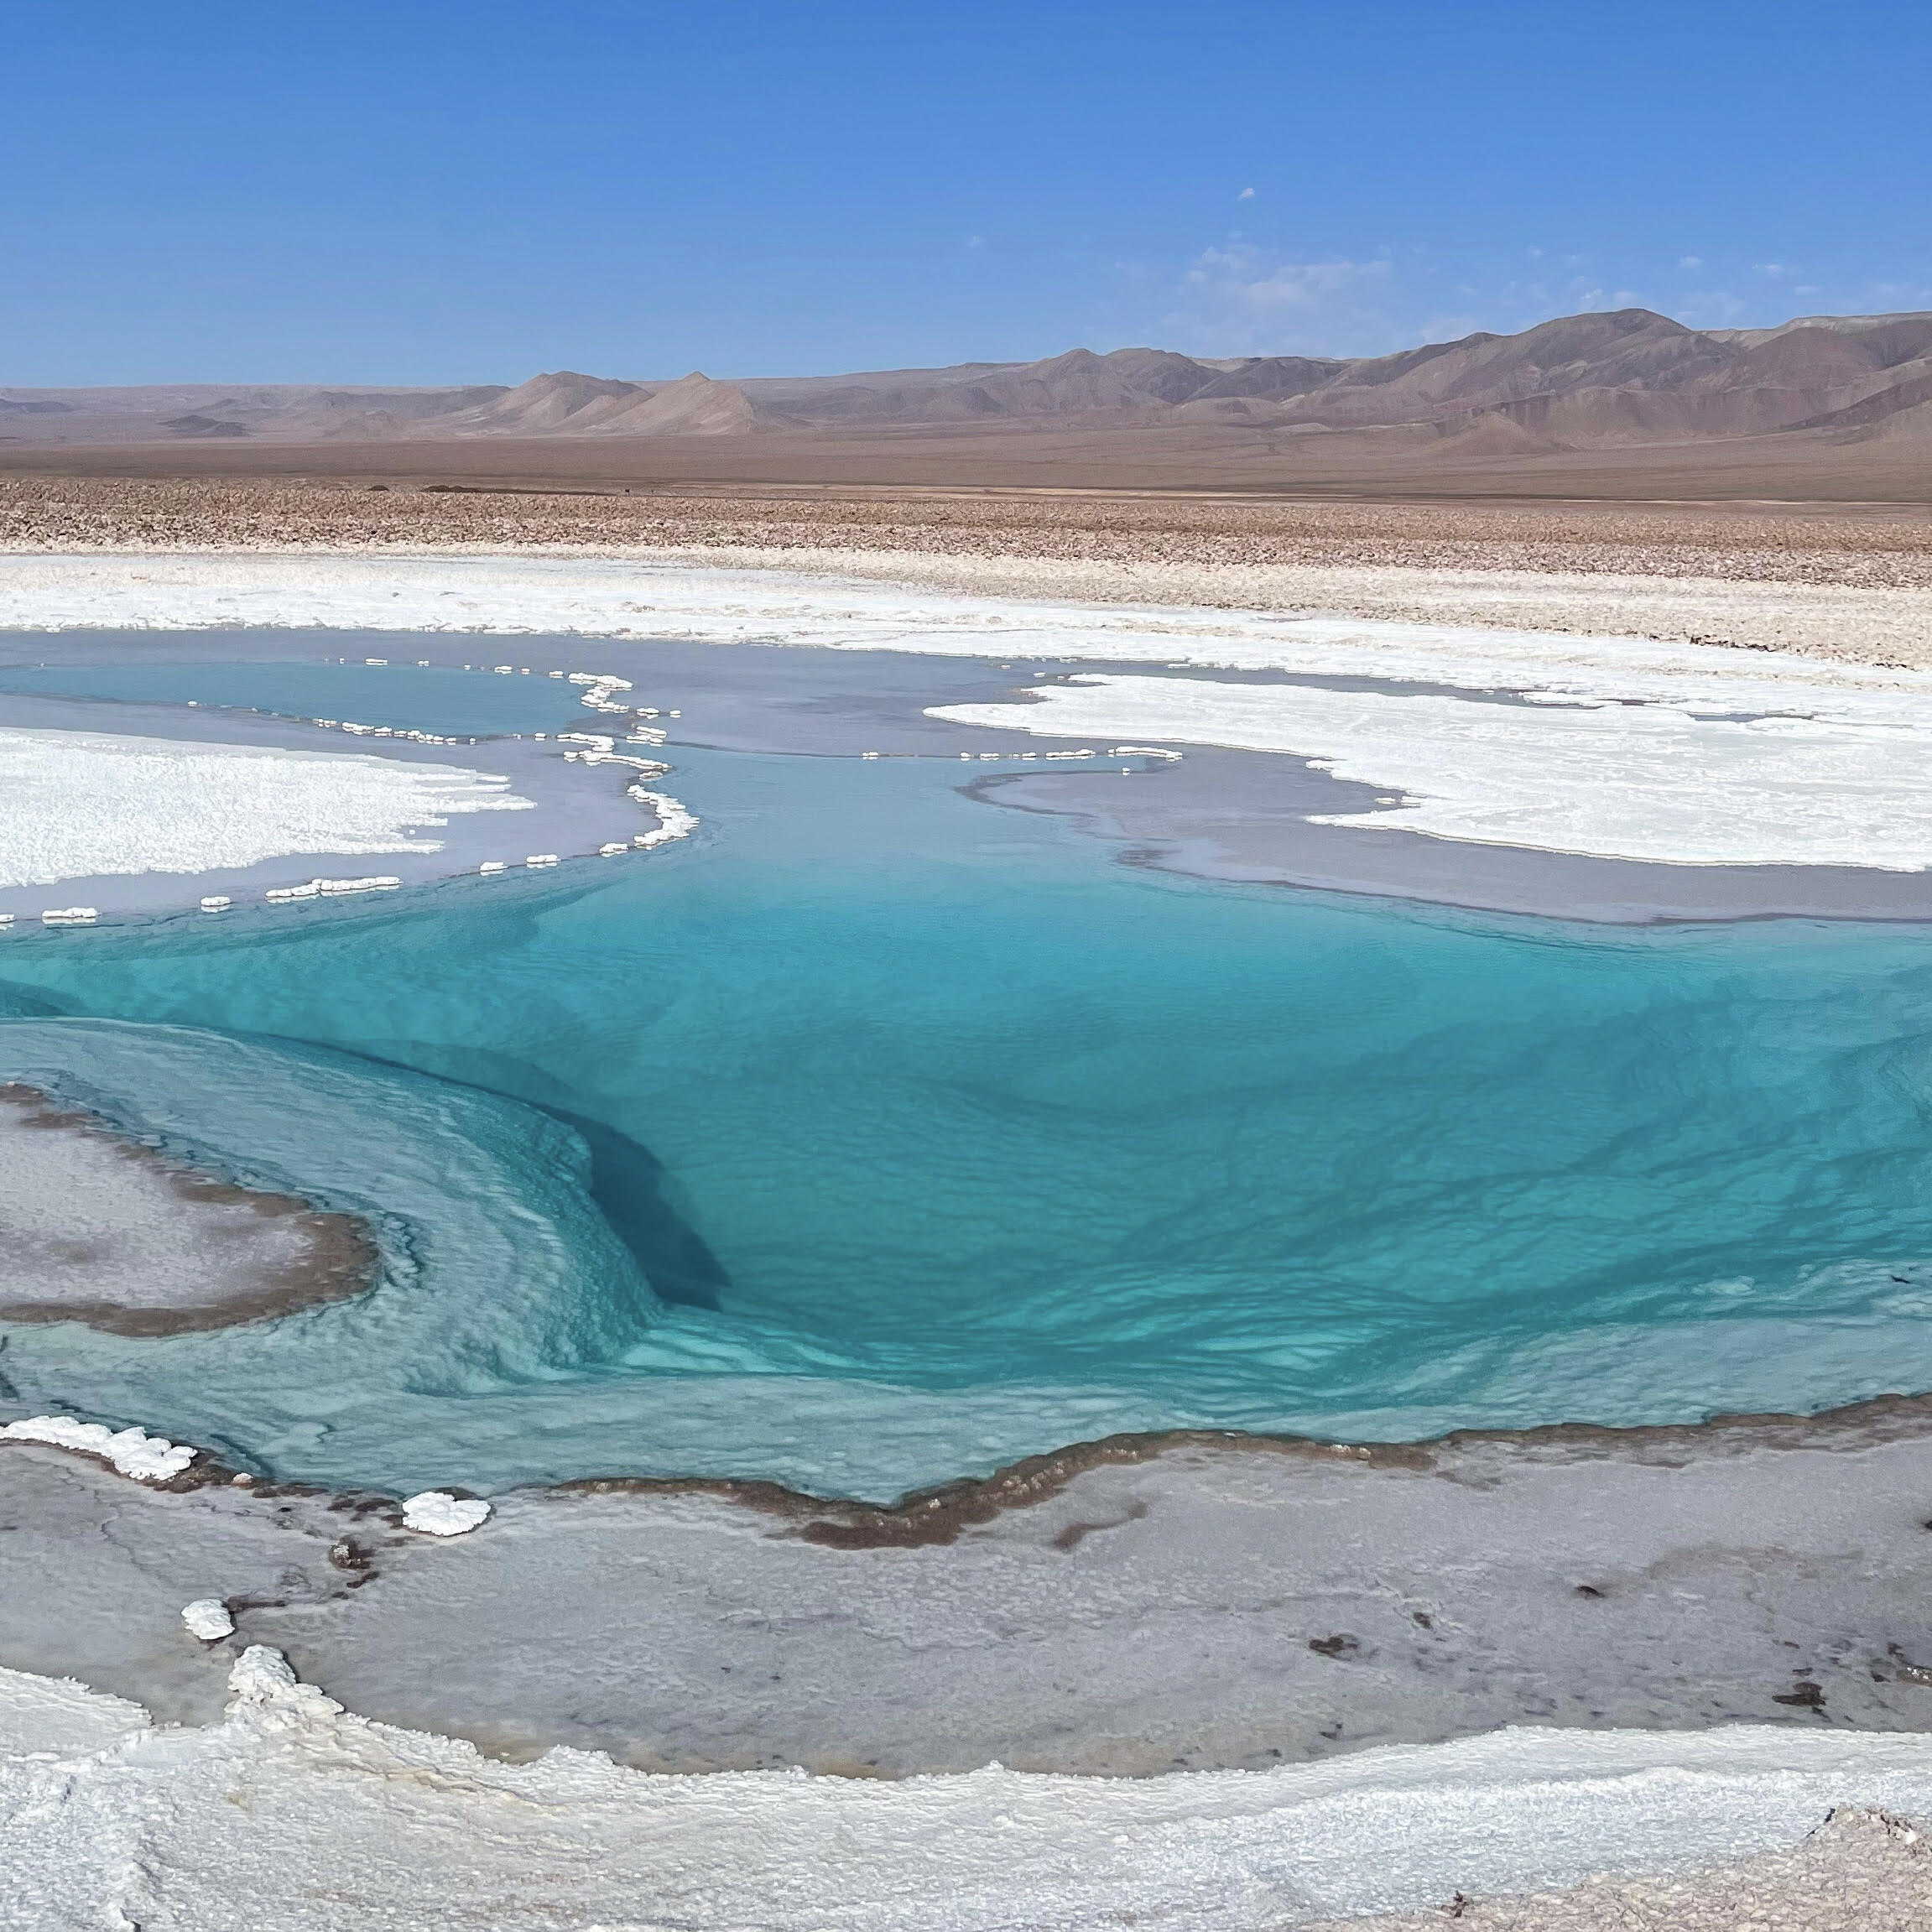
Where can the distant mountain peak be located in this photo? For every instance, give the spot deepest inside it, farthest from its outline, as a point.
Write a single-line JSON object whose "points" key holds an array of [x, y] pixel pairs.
{"points": [[1617, 375]]}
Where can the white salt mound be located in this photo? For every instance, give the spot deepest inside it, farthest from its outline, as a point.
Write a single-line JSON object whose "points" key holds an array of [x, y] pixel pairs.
{"points": [[131, 1451], [207, 1617], [437, 1512]]}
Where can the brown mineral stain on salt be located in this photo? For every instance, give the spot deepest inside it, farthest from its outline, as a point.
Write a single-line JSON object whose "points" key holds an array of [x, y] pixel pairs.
{"points": [[98, 1229]]}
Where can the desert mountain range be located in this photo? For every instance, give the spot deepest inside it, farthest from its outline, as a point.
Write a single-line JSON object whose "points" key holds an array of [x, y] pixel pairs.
{"points": [[1582, 382]]}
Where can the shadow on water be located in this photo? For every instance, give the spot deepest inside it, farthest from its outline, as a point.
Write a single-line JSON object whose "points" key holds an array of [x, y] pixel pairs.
{"points": [[627, 1182]]}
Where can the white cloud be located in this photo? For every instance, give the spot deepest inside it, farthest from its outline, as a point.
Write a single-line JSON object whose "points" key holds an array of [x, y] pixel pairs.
{"points": [[1238, 300], [1246, 195], [1774, 268], [1717, 309], [1690, 261]]}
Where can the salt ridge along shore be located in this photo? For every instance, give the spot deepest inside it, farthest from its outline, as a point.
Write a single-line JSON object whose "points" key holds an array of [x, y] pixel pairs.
{"points": [[290, 1809], [1132, 1591]]}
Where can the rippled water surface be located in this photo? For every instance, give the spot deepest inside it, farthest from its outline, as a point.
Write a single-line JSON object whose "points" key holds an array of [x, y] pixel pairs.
{"points": [[874, 1137]]}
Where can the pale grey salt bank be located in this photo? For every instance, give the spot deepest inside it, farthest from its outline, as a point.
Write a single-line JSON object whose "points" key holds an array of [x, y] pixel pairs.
{"points": [[99, 1229]]}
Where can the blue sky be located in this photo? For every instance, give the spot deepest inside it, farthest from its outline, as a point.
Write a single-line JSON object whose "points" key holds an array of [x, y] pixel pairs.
{"points": [[416, 191]]}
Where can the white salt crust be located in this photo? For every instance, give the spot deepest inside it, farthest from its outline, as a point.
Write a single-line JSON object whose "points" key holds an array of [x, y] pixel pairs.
{"points": [[80, 804], [208, 1618], [437, 1512], [291, 1811], [1801, 760], [1645, 782], [131, 1451]]}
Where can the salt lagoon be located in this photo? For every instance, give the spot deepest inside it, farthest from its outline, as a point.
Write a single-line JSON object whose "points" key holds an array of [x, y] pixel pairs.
{"points": [[877, 1139], [846, 1134]]}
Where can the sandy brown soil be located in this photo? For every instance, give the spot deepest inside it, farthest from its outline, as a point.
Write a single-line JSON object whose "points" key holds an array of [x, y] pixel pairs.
{"points": [[1846, 581], [1402, 461], [1875, 547]]}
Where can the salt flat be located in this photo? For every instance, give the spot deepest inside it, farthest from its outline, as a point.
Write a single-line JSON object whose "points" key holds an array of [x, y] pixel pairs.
{"points": [[646, 598], [1628, 747]]}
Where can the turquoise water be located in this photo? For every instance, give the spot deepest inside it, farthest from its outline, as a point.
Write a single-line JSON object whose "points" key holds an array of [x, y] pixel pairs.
{"points": [[405, 697], [876, 1136]]}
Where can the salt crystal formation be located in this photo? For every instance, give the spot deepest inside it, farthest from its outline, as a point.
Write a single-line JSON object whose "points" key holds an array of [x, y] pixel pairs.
{"points": [[207, 1617], [437, 1512], [133, 1451]]}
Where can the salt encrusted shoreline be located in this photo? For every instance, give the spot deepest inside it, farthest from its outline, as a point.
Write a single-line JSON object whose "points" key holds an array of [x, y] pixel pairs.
{"points": [[1586, 1510], [1153, 1606], [1880, 628], [288, 1808], [57, 841]]}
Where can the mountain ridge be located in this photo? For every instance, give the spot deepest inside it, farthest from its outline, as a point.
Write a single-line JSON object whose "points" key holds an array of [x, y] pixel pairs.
{"points": [[1620, 376]]}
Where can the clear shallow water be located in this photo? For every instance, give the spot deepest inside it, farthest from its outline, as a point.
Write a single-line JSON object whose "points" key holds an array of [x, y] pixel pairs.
{"points": [[405, 697], [942, 1139]]}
